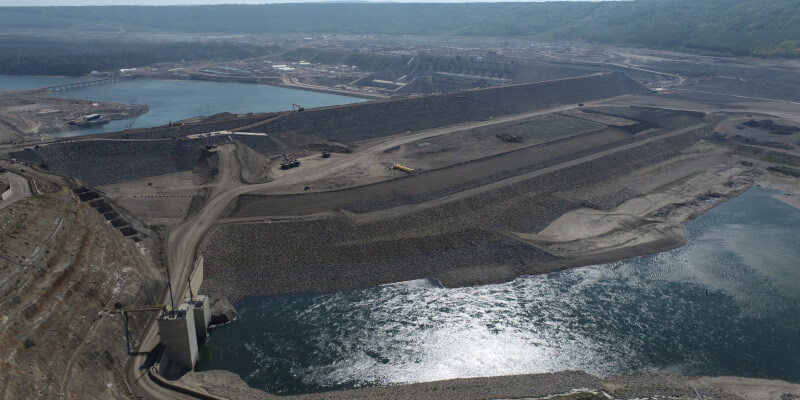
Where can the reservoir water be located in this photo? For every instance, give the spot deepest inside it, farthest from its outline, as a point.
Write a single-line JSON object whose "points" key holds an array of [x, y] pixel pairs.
{"points": [[176, 100], [727, 303], [24, 82]]}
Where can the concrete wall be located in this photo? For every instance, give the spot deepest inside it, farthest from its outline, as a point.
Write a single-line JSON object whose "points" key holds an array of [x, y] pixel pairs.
{"points": [[178, 334], [202, 316]]}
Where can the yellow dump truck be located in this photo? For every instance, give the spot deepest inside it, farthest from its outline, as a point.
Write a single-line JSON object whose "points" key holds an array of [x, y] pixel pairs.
{"points": [[403, 168]]}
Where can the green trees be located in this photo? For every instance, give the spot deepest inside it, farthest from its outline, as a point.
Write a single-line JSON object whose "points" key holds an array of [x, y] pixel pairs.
{"points": [[40, 56], [765, 28]]}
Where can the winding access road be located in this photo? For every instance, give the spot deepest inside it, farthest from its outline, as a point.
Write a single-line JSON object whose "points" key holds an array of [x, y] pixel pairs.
{"points": [[183, 242], [19, 189]]}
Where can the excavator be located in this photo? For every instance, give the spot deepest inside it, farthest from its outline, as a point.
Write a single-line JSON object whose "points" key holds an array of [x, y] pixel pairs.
{"points": [[297, 108], [289, 161]]}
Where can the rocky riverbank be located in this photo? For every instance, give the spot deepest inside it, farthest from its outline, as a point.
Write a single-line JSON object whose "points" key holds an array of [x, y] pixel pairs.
{"points": [[230, 386]]}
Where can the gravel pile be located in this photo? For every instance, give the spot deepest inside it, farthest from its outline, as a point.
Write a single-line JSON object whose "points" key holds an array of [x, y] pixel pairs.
{"points": [[757, 142], [641, 386], [101, 162], [261, 144], [650, 117], [610, 201], [498, 387]]}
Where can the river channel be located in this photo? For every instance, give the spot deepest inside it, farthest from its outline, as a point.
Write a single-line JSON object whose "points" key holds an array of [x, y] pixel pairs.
{"points": [[727, 303]]}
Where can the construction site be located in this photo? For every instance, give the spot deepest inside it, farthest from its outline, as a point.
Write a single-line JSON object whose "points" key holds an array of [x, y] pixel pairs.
{"points": [[143, 238]]}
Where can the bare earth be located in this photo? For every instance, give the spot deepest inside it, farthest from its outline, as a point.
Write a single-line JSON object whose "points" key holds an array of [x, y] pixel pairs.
{"points": [[557, 185]]}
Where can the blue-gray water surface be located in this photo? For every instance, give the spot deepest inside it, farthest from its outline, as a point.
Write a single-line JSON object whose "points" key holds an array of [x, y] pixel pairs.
{"points": [[727, 303], [25, 82], [177, 100], [171, 101]]}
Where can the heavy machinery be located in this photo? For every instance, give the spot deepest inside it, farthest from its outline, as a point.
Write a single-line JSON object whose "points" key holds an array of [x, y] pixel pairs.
{"points": [[290, 161], [297, 108]]}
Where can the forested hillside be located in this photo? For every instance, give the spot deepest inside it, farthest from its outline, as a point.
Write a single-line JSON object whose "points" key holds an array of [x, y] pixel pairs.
{"points": [[38, 56], [766, 28]]}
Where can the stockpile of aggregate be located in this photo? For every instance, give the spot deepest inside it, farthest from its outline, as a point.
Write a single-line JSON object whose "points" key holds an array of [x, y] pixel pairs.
{"points": [[384, 118], [745, 140], [610, 201], [261, 144], [101, 162], [654, 117]]}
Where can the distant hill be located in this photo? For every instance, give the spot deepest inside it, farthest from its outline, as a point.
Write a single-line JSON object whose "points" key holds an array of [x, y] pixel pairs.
{"points": [[766, 28]]}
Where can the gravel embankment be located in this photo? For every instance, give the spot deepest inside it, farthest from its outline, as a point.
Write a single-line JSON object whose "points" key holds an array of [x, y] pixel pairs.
{"points": [[371, 119], [102, 162], [636, 386], [460, 242]]}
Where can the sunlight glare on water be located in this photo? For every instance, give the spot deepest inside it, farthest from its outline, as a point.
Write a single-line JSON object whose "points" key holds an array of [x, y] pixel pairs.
{"points": [[642, 315]]}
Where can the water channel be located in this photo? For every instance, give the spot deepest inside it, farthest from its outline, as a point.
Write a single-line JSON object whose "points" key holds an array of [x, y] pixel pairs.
{"points": [[727, 303]]}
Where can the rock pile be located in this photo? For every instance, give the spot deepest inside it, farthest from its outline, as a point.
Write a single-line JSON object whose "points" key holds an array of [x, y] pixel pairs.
{"points": [[381, 118]]}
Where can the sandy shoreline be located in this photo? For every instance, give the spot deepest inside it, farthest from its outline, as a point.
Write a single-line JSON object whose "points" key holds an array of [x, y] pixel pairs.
{"points": [[656, 237], [634, 386]]}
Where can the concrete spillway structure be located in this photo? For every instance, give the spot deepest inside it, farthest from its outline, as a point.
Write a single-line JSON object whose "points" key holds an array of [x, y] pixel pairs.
{"points": [[181, 328], [202, 315], [179, 335]]}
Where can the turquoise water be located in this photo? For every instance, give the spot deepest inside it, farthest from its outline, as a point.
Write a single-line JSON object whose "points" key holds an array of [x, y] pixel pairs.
{"points": [[177, 100], [728, 303]]}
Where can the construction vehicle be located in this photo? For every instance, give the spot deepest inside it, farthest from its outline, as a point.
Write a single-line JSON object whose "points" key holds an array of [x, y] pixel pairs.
{"points": [[403, 168], [297, 108], [290, 161]]}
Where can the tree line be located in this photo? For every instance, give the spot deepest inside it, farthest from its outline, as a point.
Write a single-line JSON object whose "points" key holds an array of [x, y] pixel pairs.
{"points": [[41, 56], [764, 28]]}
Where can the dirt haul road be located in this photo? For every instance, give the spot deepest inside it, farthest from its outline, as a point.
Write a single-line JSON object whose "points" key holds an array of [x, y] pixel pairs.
{"points": [[19, 187], [182, 242]]}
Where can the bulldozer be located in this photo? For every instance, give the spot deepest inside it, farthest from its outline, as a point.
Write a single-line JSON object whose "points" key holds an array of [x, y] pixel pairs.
{"points": [[289, 161]]}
